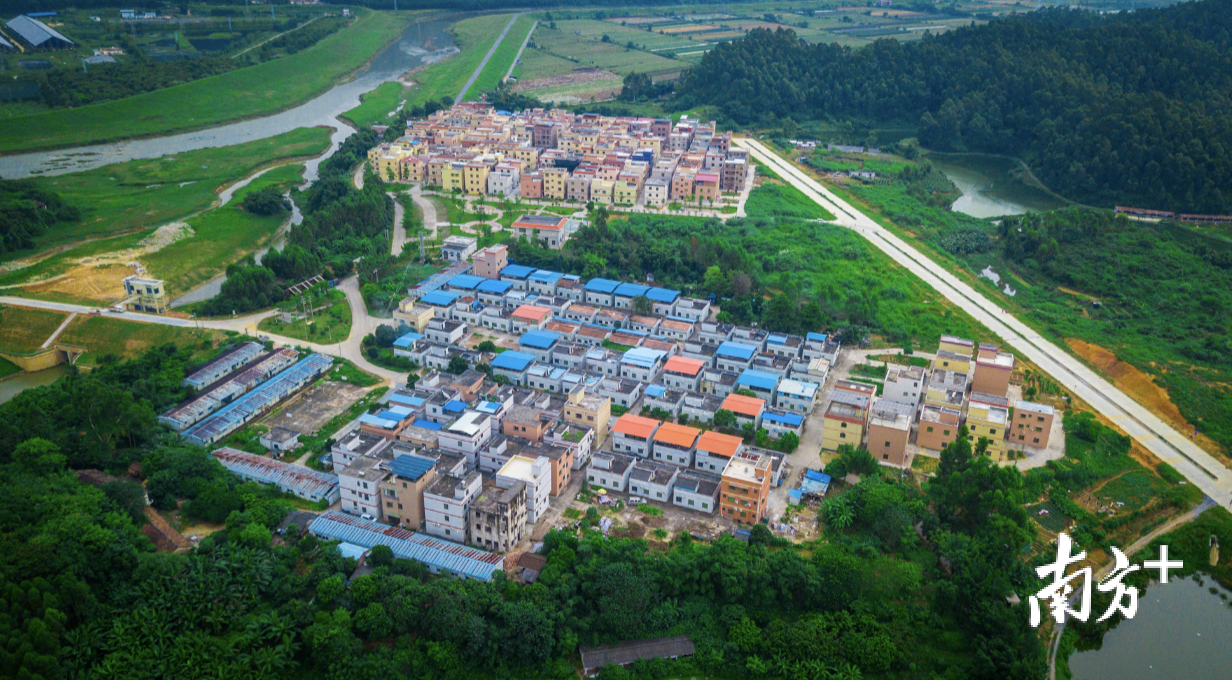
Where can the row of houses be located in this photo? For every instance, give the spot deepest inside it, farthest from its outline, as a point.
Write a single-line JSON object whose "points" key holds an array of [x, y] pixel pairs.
{"points": [[473, 149], [966, 385]]}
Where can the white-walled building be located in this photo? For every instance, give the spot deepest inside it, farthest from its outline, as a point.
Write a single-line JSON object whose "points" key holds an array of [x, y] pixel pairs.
{"points": [[904, 385], [536, 473], [447, 504]]}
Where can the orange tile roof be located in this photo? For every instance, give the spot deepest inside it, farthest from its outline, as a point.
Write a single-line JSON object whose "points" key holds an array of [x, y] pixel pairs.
{"points": [[531, 312], [681, 436], [635, 426], [685, 365], [748, 406], [721, 444]]}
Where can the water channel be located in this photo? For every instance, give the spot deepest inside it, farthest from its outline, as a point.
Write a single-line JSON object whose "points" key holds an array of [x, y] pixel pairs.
{"points": [[990, 186], [422, 43], [15, 385], [1182, 631]]}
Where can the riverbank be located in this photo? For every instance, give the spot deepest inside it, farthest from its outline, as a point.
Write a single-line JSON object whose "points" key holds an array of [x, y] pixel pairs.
{"points": [[247, 93]]}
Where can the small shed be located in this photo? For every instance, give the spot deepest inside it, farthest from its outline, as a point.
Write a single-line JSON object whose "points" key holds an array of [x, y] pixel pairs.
{"points": [[815, 483], [625, 653], [280, 440]]}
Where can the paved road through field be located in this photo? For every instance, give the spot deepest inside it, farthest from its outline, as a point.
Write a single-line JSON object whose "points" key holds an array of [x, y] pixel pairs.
{"points": [[486, 57], [1199, 467]]}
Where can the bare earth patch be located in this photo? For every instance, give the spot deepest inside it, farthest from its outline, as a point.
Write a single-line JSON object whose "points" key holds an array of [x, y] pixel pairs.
{"points": [[1142, 389]]}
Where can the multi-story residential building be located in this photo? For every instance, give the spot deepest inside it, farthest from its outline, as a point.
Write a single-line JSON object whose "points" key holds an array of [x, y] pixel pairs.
{"points": [[489, 262], [904, 385], [584, 407], [561, 460], [497, 517], [844, 420], [610, 470], [447, 503], [796, 395], [745, 486], [675, 444], [525, 422], [551, 230], [467, 435], [1032, 424], [360, 484], [950, 361], [402, 492], [992, 371], [746, 409], [355, 444], [938, 426], [634, 434], [457, 248], [642, 364], [653, 481], [714, 450], [683, 373], [889, 428], [696, 491], [946, 388], [991, 422]]}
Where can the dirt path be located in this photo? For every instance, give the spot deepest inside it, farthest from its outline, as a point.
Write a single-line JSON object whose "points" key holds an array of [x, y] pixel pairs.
{"points": [[479, 69], [248, 49]]}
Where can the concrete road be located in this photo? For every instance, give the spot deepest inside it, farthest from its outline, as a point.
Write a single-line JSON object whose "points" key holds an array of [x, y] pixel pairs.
{"points": [[516, 57], [1199, 467], [479, 69], [399, 237]]}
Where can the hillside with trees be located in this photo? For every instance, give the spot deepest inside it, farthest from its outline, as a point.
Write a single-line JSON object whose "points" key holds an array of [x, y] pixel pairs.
{"points": [[1134, 107]]}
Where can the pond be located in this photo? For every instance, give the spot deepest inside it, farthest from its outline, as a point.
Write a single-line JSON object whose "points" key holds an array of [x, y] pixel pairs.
{"points": [[1182, 631], [422, 43], [990, 187], [23, 381]]}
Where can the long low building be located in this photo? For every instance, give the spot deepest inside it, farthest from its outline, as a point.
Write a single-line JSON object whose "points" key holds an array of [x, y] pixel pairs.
{"points": [[233, 416], [441, 557], [224, 392], [293, 479]]}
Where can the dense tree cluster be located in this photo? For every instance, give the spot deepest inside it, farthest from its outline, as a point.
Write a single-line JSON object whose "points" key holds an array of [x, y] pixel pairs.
{"points": [[1121, 108], [66, 87], [266, 201], [27, 211]]}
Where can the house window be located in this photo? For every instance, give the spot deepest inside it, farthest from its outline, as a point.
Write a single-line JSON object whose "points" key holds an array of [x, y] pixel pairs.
{"points": [[690, 501], [885, 456], [842, 435], [887, 445], [930, 428]]}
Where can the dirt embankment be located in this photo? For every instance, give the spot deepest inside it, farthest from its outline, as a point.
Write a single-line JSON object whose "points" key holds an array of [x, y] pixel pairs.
{"points": [[1140, 387]]}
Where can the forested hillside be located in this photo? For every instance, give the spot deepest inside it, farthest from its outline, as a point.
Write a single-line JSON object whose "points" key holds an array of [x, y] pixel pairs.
{"points": [[1127, 108]]}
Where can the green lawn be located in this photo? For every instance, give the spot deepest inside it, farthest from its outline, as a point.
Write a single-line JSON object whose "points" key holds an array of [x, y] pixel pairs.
{"points": [[248, 92], [143, 194], [221, 237], [23, 329], [498, 65], [783, 200], [105, 335], [329, 326], [376, 105]]}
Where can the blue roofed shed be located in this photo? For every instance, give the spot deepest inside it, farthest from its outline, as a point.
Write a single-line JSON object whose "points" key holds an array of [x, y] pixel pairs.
{"points": [[441, 557], [758, 381], [630, 290], [815, 483], [513, 361], [517, 271], [602, 285], [465, 281], [662, 295], [541, 340], [736, 350]]}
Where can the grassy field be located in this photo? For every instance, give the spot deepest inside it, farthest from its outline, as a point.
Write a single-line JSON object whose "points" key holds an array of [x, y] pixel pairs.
{"points": [[331, 325], [783, 200], [585, 51], [474, 38], [8, 368], [23, 329], [498, 65], [253, 91], [104, 335], [221, 237], [540, 64], [375, 106], [143, 194]]}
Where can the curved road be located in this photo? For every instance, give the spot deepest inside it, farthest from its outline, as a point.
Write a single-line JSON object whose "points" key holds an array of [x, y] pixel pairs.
{"points": [[1199, 467], [350, 348]]}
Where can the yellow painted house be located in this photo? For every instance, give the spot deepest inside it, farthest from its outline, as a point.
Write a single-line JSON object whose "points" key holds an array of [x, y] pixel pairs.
{"points": [[986, 420]]}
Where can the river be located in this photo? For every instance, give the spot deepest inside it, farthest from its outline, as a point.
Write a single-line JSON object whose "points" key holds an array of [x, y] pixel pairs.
{"points": [[23, 381], [989, 186], [422, 43], [1181, 632]]}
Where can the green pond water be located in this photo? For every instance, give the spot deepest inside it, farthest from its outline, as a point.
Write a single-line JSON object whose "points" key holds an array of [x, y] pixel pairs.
{"points": [[990, 187]]}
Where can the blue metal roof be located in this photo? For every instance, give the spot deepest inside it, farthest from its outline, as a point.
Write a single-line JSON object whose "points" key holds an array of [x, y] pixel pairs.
{"points": [[662, 295], [411, 467], [819, 337], [465, 281], [379, 421], [539, 339], [517, 271], [738, 350], [817, 476], [631, 290], [642, 357], [758, 379], [513, 361], [546, 276], [274, 390], [407, 399], [789, 419], [270, 471], [815, 483], [440, 555], [602, 285], [408, 340], [454, 406], [35, 32], [655, 390], [493, 286], [776, 338], [426, 424], [392, 415], [440, 298]]}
